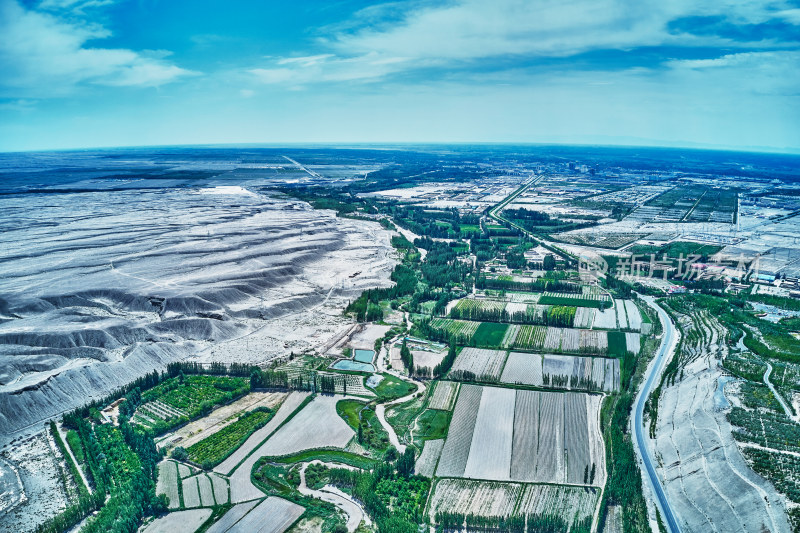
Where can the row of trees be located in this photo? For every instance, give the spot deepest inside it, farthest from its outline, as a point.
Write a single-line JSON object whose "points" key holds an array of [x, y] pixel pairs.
{"points": [[538, 285], [307, 381], [447, 363], [544, 523], [558, 315], [407, 357]]}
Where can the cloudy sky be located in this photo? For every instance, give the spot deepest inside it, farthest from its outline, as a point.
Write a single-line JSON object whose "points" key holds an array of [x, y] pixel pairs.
{"points": [[90, 73]]}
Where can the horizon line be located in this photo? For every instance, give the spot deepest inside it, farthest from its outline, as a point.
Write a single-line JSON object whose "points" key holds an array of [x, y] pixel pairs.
{"points": [[790, 151]]}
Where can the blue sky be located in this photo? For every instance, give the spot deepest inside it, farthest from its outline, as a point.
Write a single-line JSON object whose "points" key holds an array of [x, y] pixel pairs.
{"points": [[90, 73]]}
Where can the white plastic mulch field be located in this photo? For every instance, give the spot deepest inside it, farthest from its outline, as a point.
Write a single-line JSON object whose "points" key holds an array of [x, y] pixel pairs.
{"points": [[516, 435], [231, 517], [182, 521], [633, 342], [605, 319], [273, 515], [317, 425], [191, 492], [580, 373], [292, 402], [425, 464], [483, 363], [493, 499], [584, 317], [443, 396], [634, 316], [490, 451], [516, 307], [168, 482], [459, 435], [622, 316], [523, 368], [483, 498]]}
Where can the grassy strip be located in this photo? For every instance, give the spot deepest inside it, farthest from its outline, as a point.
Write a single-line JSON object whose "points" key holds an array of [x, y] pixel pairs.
{"points": [[617, 344], [391, 388], [490, 334], [433, 424], [624, 485], [326, 456], [83, 490], [349, 410], [74, 442]]}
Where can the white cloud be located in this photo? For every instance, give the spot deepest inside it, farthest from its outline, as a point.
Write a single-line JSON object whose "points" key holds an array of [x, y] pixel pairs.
{"points": [[327, 68], [43, 55], [394, 37], [774, 72], [77, 6]]}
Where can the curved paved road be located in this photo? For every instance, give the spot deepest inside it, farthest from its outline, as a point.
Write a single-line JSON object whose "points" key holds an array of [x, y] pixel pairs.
{"points": [[665, 351], [786, 409]]}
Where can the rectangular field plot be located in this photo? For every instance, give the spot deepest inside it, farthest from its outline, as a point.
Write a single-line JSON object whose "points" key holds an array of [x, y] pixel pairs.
{"points": [[525, 448], [549, 460], [490, 334], [459, 435], [206, 491], [443, 395], [566, 340], [530, 337], [577, 300], [490, 452], [574, 505], [622, 317], [168, 482], [633, 342], [220, 485], [605, 319], [584, 317], [426, 462], [570, 372], [461, 329], [482, 498], [530, 436], [191, 492], [634, 316], [483, 364], [523, 368], [469, 309]]}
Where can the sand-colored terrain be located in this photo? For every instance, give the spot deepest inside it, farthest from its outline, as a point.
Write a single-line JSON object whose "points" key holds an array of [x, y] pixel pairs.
{"points": [[144, 278], [708, 483]]}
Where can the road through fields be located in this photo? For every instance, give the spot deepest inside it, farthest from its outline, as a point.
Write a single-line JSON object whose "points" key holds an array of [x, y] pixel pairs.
{"points": [[665, 353]]}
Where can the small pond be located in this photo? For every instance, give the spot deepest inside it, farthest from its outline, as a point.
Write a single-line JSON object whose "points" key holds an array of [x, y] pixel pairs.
{"points": [[363, 356], [347, 364]]}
